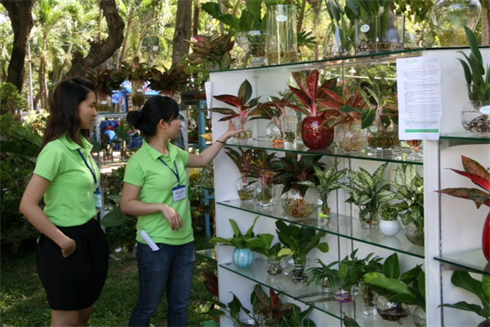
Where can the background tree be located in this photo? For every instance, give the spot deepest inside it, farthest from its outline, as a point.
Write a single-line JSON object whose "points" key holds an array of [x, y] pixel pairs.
{"points": [[183, 29]]}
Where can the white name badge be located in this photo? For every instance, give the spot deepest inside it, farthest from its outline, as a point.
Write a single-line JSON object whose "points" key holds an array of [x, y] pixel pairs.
{"points": [[179, 193], [98, 199]]}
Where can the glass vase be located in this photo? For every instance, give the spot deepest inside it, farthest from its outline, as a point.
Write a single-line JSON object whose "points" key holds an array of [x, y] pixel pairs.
{"points": [[245, 187], [391, 311], [413, 235], [382, 141], [282, 44], [419, 317], [315, 133], [289, 126], [264, 194], [475, 117], [299, 271], [274, 266], [449, 17], [379, 33], [243, 258], [253, 43], [368, 299], [350, 137], [273, 132], [300, 205]]}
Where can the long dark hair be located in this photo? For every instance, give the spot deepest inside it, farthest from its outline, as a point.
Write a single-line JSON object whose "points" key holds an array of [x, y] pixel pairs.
{"points": [[155, 109], [63, 114]]}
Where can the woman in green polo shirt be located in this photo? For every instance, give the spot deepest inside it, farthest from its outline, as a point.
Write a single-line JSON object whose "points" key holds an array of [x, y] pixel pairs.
{"points": [[155, 189], [72, 251]]}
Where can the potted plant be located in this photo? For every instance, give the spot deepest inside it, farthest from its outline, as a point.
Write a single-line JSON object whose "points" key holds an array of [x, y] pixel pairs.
{"points": [[298, 199], [328, 182], [396, 290], [262, 165], [137, 73], [105, 81], [298, 242], [273, 110], [314, 132], [243, 257], [244, 108], [389, 224], [478, 288], [338, 32], [246, 183], [169, 81], [481, 177], [476, 113], [262, 244], [213, 52], [409, 189], [368, 192]]}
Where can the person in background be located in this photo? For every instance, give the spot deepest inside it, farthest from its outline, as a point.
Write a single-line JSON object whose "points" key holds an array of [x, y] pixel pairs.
{"points": [[72, 250], [156, 190]]}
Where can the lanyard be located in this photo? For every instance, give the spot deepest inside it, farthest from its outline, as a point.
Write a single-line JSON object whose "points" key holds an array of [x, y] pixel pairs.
{"points": [[176, 172], [92, 171]]}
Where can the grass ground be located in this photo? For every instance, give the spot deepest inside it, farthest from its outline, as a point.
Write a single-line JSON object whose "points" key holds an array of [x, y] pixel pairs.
{"points": [[23, 300]]}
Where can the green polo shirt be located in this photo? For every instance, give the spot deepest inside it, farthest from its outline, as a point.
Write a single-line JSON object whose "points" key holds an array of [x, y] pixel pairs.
{"points": [[144, 169], [70, 197]]}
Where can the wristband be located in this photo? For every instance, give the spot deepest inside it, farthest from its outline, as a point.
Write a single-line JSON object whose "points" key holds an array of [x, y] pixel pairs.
{"points": [[220, 141]]}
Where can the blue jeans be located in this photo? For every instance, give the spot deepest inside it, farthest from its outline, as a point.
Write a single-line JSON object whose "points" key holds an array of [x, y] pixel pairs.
{"points": [[171, 269]]}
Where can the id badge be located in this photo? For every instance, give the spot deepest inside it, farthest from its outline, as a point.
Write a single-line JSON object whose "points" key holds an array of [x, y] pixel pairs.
{"points": [[179, 193], [98, 199]]}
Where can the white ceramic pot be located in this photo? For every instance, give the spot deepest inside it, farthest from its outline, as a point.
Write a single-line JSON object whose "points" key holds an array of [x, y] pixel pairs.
{"points": [[389, 227]]}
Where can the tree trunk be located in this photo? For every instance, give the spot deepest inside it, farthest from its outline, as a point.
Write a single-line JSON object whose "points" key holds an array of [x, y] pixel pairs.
{"points": [[100, 52], [183, 26], [22, 22]]}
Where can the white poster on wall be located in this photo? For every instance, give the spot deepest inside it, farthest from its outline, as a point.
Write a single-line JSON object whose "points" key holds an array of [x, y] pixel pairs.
{"points": [[419, 98]]}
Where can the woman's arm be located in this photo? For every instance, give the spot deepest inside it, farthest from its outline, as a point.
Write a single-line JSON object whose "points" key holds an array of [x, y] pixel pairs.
{"points": [[210, 153], [29, 206], [130, 205]]}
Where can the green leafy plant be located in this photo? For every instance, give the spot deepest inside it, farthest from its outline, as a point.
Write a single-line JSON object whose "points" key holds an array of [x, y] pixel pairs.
{"points": [[408, 288], [250, 18], [298, 242], [242, 159], [106, 80], [293, 172], [474, 71], [409, 189], [368, 192], [388, 212], [339, 26], [239, 240], [328, 182], [136, 70], [262, 244], [10, 99], [480, 289], [367, 11]]}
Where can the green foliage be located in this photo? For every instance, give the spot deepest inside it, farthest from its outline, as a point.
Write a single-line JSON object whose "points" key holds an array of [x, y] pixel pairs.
{"points": [[409, 189], [299, 241], [250, 19], [136, 70], [36, 121], [106, 80], [262, 244], [242, 159], [169, 80], [474, 72], [239, 240], [350, 273], [367, 191], [481, 289], [408, 287], [388, 212], [212, 52], [10, 99]]}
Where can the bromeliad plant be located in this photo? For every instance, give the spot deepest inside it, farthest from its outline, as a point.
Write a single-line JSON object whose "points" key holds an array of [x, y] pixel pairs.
{"points": [[298, 242], [169, 80], [368, 192], [245, 107], [213, 52], [481, 177]]}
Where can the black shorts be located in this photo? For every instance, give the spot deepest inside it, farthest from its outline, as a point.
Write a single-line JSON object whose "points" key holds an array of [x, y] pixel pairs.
{"points": [[75, 282]]}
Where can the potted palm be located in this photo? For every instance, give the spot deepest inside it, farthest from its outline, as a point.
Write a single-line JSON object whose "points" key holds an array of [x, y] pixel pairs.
{"points": [[298, 242], [243, 257], [476, 113], [298, 199], [244, 108], [368, 192], [314, 132], [481, 177], [480, 289]]}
